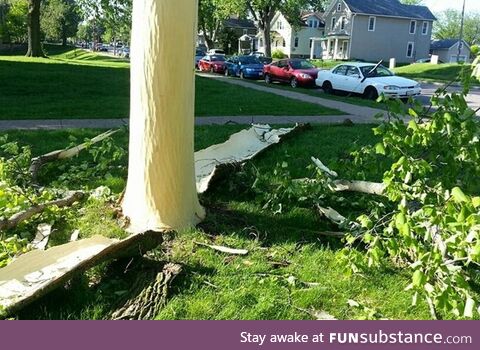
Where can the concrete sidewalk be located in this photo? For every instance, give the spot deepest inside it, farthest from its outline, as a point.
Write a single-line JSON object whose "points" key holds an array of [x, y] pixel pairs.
{"points": [[354, 110], [225, 120]]}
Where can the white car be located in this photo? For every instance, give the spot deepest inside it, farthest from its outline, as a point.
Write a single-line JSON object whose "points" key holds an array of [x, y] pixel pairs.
{"points": [[367, 79], [216, 52]]}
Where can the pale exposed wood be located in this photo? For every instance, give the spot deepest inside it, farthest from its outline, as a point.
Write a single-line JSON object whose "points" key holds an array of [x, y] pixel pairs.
{"points": [[38, 162], [37, 272], [24, 215], [223, 249], [366, 187], [239, 148]]}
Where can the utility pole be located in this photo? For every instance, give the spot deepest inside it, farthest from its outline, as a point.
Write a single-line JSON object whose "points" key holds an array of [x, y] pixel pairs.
{"points": [[460, 41]]}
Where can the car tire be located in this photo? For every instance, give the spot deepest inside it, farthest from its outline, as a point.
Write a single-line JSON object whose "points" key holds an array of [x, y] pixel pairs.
{"points": [[370, 93], [268, 79], [242, 76], [328, 88], [294, 83]]}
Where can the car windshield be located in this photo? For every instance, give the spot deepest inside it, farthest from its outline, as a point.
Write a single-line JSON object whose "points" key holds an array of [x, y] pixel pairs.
{"points": [[248, 60], [301, 64], [217, 58], [380, 71]]}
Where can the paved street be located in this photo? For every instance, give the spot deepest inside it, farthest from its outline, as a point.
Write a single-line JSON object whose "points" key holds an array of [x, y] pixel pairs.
{"points": [[428, 90]]}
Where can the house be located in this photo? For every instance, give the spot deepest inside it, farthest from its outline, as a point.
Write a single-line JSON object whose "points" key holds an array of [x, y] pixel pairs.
{"points": [[293, 36], [373, 30], [447, 50]]}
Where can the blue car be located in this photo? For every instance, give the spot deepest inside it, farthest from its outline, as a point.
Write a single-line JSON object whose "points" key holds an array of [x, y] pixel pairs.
{"points": [[244, 67]]}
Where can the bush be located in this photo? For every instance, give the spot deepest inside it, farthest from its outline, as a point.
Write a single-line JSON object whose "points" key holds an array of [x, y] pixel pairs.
{"points": [[278, 54], [475, 49]]}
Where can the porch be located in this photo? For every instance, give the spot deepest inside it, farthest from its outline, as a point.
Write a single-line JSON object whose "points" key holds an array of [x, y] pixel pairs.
{"points": [[334, 47]]}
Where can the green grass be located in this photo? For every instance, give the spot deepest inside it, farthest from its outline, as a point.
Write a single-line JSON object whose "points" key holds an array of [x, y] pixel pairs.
{"points": [[317, 92], [74, 83], [216, 286], [445, 72]]}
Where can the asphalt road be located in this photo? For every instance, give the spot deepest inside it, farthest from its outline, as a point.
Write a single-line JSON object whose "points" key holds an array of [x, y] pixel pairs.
{"points": [[428, 90]]}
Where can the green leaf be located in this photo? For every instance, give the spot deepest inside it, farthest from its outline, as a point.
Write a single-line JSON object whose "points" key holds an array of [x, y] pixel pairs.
{"points": [[476, 202], [380, 149], [417, 278], [469, 306], [459, 196]]}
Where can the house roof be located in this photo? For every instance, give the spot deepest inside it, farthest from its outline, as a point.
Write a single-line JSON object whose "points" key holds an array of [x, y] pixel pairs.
{"points": [[444, 44], [239, 23], [393, 8]]}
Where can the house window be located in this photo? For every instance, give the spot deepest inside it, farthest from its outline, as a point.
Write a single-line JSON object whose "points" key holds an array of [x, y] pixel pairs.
{"points": [[413, 27], [410, 48], [296, 41], [372, 21], [284, 43], [279, 25], [339, 6], [245, 32], [461, 45], [342, 23], [334, 21], [311, 43], [425, 28]]}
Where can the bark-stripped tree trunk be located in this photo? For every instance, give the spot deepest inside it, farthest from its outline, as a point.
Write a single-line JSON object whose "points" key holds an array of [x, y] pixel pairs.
{"points": [[33, 21], [161, 193]]}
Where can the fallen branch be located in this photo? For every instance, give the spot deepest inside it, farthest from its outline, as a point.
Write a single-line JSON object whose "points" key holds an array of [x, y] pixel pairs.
{"points": [[40, 208], [37, 162], [367, 187], [224, 249], [34, 274], [333, 215]]}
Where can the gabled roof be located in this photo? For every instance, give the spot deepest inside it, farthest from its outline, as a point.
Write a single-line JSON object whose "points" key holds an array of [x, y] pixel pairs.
{"points": [[445, 44], [391, 8], [239, 23]]}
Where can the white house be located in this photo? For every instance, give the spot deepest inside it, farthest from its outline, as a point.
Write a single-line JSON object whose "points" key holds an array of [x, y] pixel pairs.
{"points": [[295, 39]]}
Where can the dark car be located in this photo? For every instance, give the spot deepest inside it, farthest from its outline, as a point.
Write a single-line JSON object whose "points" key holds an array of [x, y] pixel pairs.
{"points": [[244, 67], [212, 64], [296, 72]]}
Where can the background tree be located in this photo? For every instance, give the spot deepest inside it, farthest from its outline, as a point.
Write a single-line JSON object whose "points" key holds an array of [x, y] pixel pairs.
{"points": [[117, 20], [412, 2], [34, 33], [60, 19], [448, 26], [13, 21]]}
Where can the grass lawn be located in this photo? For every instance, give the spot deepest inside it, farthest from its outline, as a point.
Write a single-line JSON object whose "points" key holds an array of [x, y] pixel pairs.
{"points": [[216, 286], [78, 84], [445, 72]]}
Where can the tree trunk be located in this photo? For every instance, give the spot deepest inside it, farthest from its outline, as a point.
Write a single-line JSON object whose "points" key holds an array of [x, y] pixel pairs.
{"points": [[33, 21], [161, 192], [266, 38]]}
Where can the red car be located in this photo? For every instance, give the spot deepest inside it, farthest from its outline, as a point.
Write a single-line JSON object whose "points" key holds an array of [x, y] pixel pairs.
{"points": [[296, 72], [212, 64]]}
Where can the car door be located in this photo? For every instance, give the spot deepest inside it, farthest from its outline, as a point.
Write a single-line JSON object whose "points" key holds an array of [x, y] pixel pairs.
{"points": [[275, 70], [338, 77], [283, 71], [352, 80], [204, 63]]}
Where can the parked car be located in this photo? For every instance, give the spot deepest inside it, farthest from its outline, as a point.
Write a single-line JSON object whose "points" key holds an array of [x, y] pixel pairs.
{"points": [[294, 71], [212, 63], [257, 54], [244, 67], [199, 54], [124, 52], [216, 52], [367, 79]]}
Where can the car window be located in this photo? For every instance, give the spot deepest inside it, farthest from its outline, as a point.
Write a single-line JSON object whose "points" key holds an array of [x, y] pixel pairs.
{"points": [[248, 60], [380, 71], [206, 58], [301, 64], [353, 71], [217, 58], [341, 70]]}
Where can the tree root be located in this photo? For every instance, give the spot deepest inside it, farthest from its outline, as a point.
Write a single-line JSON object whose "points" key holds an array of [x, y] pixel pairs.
{"points": [[149, 291]]}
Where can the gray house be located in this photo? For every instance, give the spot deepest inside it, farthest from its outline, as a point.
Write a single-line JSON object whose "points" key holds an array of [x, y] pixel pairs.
{"points": [[447, 50], [374, 30]]}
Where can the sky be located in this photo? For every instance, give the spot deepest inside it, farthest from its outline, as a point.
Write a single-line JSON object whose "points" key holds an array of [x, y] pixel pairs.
{"points": [[440, 5]]}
